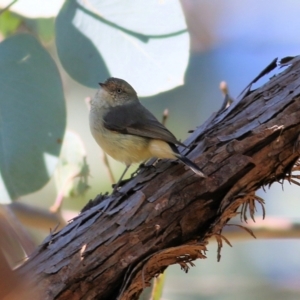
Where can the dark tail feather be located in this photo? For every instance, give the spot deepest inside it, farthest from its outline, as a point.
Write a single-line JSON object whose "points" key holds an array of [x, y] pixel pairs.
{"points": [[191, 165], [187, 162]]}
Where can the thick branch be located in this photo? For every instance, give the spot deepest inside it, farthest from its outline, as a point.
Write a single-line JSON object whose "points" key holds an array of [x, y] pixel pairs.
{"points": [[166, 214]]}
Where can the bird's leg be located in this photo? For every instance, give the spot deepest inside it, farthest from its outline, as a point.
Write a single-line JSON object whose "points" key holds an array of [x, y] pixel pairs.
{"points": [[141, 167], [151, 166], [119, 181], [146, 167]]}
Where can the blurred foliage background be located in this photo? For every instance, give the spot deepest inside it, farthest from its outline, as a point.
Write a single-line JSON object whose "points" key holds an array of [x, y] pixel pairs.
{"points": [[49, 72]]}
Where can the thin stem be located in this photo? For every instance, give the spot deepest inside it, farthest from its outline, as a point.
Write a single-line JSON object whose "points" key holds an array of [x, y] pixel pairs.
{"points": [[7, 7]]}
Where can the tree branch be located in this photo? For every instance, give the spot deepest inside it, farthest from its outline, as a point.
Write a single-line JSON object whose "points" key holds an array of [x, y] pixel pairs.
{"points": [[166, 215]]}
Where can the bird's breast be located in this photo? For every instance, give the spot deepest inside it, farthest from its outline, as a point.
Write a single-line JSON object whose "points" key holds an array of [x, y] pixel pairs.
{"points": [[125, 148]]}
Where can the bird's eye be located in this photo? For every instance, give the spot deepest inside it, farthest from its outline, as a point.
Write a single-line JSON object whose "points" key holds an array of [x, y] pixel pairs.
{"points": [[119, 91]]}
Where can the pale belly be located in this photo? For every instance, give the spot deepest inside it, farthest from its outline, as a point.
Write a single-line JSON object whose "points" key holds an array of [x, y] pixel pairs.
{"points": [[127, 148], [122, 147]]}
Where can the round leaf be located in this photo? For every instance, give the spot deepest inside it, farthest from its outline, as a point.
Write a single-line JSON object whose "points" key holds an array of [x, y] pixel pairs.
{"points": [[72, 172], [144, 42], [33, 116]]}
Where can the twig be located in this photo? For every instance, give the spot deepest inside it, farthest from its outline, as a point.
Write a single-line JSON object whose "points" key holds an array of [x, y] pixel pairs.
{"points": [[7, 7], [270, 228], [165, 116], [37, 217], [227, 98], [108, 168], [55, 208]]}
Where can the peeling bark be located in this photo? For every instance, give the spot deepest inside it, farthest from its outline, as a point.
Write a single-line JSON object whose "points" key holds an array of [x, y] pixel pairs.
{"points": [[166, 214]]}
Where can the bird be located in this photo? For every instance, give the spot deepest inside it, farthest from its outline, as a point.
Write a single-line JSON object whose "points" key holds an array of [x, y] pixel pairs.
{"points": [[129, 132]]}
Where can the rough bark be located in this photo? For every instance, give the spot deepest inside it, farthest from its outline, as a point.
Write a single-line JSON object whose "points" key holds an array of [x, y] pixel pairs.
{"points": [[167, 214]]}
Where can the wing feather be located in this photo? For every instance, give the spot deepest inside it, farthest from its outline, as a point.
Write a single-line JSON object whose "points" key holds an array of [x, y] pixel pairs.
{"points": [[133, 118]]}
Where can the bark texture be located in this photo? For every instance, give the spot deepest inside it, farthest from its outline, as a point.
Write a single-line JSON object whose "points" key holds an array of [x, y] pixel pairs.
{"points": [[166, 214]]}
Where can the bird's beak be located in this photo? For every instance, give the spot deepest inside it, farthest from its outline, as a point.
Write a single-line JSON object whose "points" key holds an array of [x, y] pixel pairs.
{"points": [[103, 85]]}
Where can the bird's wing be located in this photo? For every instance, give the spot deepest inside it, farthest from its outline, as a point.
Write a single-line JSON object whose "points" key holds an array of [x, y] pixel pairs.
{"points": [[135, 119]]}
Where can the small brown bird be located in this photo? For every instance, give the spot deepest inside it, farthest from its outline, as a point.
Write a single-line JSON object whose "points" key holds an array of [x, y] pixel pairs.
{"points": [[127, 131]]}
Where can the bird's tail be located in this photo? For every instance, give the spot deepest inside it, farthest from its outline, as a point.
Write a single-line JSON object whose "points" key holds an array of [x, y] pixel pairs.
{"points": [[187, 162], [191, 165]]}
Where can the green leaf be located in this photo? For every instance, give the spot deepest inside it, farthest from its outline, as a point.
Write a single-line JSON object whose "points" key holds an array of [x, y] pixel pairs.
{"points": [[9, 23], [72, 172], [44, 28], [144, 42], [32, 116]]}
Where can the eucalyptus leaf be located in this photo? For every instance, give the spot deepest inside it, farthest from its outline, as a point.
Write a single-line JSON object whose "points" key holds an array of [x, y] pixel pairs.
{"points": [[43, 28], [72, 172], [9, 23], [32, 116], [144, 42]]}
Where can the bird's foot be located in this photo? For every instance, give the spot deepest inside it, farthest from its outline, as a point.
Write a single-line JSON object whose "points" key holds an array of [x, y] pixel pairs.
{"points": [[143, 166]]}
